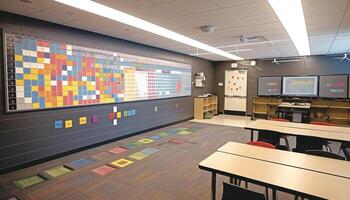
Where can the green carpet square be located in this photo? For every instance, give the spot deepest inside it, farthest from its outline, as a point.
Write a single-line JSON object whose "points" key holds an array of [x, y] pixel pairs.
{"points": [[184, 132], [163, 134], [30, 181], [133, 145], [138, 155], [58, 171]]}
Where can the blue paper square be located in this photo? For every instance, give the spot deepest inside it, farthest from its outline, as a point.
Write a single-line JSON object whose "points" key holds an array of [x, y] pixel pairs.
{"points": [[58, 124], [155, 137]]}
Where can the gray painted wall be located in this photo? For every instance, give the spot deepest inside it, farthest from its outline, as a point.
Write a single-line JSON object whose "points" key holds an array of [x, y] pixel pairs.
{"points": [[313, 65], [29, 136]]}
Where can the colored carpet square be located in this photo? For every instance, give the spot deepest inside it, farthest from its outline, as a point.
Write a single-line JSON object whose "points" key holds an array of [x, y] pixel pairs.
{"points": [[155, 137], [177, 141], [194, 129], [58, 171], [182, 128], [103, 170], [30, 181], [118, 150], [146, 140], [184, 132], [76, 164], [132, 145], [121, 163], [163, 134], [101, 156], [138, 155], [173, 131], [150, 151]]}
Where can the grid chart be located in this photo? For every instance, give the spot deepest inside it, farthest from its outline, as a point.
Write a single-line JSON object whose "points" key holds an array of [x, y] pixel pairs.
{"points": [[43, 74]]}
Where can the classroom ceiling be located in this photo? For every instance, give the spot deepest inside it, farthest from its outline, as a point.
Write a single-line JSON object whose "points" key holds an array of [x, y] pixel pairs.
{"points": [[328, 24]]}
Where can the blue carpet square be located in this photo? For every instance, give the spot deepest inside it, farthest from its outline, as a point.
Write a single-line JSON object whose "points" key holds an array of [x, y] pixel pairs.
{"points": [[150, 151], [76, 164], [155, 137]]}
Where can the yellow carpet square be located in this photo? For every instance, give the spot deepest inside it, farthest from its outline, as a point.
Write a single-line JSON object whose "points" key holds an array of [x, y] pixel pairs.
{"points": [[121, 162], [146, 140]]}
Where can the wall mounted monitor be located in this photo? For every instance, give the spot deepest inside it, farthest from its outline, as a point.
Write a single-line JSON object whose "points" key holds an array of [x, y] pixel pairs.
{"points": [[333, 86], [43, 74], [300, 86], [269, 85]]}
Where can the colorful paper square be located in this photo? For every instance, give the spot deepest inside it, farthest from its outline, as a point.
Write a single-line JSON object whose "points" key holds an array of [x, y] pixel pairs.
{"points": [[138, 155], [125, 113], [118, 150], [146, 140], [150, 151], [121, 163], [80, 163], [111, 115], [30, 181], [68, 124], [119, 115], [58, 171], [103, 170], [58, 124], [82, 120]]}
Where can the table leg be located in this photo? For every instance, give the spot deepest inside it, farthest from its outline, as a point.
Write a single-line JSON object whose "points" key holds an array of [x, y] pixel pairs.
{"points": [[274, 195], [251, 135], [213, 186]]}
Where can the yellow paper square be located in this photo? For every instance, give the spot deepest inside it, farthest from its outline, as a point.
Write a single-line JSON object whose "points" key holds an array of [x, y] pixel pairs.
{"points": [[19, 82], [119, 115], [18, 58], [68, 124], [40, 60], [82, 120], [35, 88], [35, 105]]}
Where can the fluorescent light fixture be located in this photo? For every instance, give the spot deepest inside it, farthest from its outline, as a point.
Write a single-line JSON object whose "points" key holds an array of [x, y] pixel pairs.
{"points": [[116, 15], [232, 51], [291, 15]]}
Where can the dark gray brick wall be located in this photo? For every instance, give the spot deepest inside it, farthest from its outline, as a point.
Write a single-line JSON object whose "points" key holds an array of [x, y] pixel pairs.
{"points": [[30, 136]]}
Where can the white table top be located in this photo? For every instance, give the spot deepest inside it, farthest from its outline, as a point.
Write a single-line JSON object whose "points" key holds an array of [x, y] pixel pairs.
{"points": [[296, 179], [303, 161]]}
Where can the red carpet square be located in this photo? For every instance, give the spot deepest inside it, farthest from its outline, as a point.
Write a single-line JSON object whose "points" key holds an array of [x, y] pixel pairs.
{"points": [[103, 170], [177, 141], [118, 150]]}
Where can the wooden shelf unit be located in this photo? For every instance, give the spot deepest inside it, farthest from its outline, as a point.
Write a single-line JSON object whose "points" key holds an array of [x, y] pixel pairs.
{"points": [[326, 110], [205, 104]]}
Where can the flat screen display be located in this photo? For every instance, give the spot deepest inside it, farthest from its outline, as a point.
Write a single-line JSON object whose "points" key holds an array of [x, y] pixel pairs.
{"points": [[300, 86], [269, 86], [335, 86]]}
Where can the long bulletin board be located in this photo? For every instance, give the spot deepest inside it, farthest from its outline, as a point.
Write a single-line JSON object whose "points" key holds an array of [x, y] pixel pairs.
{"points": [[42, 74]]}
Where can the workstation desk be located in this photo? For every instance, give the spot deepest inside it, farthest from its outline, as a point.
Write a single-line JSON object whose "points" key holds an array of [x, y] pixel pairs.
{"points": [[304, 178]]}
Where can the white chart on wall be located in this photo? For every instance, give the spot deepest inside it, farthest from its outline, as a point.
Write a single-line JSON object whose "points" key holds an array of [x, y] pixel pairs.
{"points": [[236, 90]]}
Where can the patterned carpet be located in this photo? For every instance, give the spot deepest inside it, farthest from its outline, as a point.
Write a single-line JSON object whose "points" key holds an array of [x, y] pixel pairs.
{"points": [[162, 164]]}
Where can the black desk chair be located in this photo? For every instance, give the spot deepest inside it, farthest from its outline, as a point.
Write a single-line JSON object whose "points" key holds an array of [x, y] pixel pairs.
{"points": [[325, 154], [232, 192], [305, 143], [273, 138], [345, 147]]}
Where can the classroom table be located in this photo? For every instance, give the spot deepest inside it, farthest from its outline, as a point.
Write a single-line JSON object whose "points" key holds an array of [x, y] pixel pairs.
{"points": [[305, 126], [319, 164], [301, 182], [297, 131]]}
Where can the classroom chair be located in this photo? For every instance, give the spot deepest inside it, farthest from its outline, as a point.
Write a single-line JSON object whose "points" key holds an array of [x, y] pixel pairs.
{"points": [[325, 154], [264, 145], [345, 147], [283, 136], [232, 192], [273, 138]]}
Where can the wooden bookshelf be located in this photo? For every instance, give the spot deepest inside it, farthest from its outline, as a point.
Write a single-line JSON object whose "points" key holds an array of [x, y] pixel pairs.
{"points": [[326, 110], [205, 104]]}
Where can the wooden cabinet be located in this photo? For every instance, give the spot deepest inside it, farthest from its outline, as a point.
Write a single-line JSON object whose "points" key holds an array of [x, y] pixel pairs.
{"points": [[205, 104], [326, 110]]}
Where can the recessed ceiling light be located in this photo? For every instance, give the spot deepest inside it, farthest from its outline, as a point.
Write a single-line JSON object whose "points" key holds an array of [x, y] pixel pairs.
{"points": [[119, 16], [26, 1], [291, 15]]}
